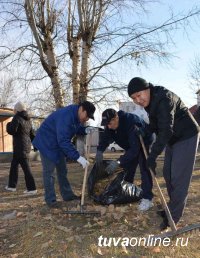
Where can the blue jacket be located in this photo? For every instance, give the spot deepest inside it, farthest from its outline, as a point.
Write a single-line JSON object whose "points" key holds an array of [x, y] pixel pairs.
{"points": [[54, 136], [125, 136]]}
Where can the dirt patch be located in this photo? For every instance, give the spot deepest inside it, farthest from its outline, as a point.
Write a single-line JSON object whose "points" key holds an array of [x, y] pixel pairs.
{"points": [[34, 230]]}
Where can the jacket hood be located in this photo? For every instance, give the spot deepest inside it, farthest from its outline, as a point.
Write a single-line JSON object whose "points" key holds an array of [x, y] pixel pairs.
{"points": [[24, 115]]}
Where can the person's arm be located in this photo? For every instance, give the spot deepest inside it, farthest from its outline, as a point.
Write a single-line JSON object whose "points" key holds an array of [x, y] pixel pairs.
{"points": [[165, 123], [104, 140], [32, 134], [81, 130], [12, 126], [133, 150], [64, 131]]}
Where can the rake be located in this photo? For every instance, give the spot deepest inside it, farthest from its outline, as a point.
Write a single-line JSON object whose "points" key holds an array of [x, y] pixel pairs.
{"points": [[82, 211], [174, 231]]}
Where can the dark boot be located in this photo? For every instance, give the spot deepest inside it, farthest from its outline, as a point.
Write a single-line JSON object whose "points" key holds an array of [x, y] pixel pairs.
{"points": [[165, 224], [72, 197], [161, 213], [54, 205]]}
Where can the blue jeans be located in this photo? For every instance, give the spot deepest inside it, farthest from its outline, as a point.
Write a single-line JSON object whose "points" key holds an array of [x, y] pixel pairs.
{"points": [[49, 179], [146, 178]]}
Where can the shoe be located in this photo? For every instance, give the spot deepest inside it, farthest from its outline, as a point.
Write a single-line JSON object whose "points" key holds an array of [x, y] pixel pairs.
{"points": [[11, 189], [165, 224], [145, 204], [161, 213], [72, 197], [54, 205], [31, 192]]}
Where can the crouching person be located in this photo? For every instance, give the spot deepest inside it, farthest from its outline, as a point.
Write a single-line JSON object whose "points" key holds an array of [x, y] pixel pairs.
{"points": [[53, 140], [123, 128]]}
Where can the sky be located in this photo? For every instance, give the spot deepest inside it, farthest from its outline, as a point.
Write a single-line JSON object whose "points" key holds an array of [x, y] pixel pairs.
{"points": [[175, 75]]}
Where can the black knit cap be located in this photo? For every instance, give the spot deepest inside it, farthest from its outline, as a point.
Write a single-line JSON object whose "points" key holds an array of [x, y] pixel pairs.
{"points": [[107, 116], [89, 108], [137, 84]]}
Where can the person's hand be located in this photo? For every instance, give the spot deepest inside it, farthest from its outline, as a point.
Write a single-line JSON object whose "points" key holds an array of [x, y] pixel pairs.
{"points": [[151, 164], [81, 160], [99, 159], [110, 169], [89, 129], [139, 131]]}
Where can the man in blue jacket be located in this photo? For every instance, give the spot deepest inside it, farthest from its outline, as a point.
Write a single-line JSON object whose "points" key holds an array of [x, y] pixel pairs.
{"points": [[123, 128], [54, 141]]}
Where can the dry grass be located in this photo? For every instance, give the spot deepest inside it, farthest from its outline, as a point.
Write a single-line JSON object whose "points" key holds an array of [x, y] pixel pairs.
{"points": [[37, 231]]}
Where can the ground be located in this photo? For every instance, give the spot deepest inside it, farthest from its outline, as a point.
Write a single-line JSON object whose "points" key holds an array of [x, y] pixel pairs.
{"points": [[29, 229]]}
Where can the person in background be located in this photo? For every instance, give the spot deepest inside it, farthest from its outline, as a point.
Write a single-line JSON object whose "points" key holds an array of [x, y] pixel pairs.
{"points": [[21, 129], [123, 128], [177, 132], [54, 142]]}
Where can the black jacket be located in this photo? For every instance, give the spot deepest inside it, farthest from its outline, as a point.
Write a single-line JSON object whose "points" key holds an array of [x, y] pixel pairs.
{"points": [[125, 136], [21, 130], [169, 118]]}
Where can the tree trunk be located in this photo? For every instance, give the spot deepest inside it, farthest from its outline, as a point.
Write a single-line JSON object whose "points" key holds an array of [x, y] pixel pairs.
{"points": [[54, 74], [83, 87], [84, 72], [76, 69]]}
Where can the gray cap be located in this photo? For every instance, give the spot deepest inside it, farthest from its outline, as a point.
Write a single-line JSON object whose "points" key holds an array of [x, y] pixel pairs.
{"points": [[19, 106]]}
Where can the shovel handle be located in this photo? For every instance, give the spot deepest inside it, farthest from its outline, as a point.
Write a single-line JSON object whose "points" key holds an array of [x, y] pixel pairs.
{"points": [[162, 198]]}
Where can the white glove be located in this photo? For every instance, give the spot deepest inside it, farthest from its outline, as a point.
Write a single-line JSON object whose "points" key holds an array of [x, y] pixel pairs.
{"points": [[89, 129], [83, 162]]}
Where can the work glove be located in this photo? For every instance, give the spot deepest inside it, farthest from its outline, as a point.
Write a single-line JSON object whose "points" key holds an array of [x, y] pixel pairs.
{"points": [[139, 131], [151, 164], [89, 129], [110, 169], [83, 162], [99, 159]]}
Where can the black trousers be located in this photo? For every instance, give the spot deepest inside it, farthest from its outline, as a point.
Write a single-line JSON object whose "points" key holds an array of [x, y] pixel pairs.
{"points": [[13, 176], [177, 171], [146, 179]]}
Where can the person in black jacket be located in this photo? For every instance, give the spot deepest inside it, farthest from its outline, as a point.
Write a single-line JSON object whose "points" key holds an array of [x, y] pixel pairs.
{"points": [[123, 128], [21, 129], [177, 132]]}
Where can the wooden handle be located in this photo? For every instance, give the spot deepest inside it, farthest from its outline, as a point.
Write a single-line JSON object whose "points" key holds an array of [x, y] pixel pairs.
{"points": [[88, 146], [162, 198]]}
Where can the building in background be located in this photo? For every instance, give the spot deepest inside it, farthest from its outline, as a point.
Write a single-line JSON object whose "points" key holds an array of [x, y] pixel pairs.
{"points": [[195, 110], [131, 107], [6, 115]]}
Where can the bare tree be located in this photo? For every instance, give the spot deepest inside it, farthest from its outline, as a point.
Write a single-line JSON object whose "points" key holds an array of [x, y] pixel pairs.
{"points": [[83, 22], [42, 101], [42, 17], [80, 42], [8, 91], [33, 47], [195, 73], [96, 41]]}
